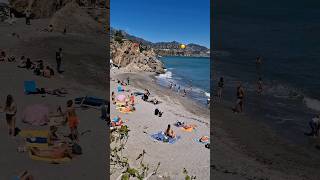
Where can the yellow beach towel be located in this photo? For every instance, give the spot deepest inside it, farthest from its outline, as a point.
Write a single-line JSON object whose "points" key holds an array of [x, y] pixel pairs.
{"points": [[49, 160], [34, 133]]}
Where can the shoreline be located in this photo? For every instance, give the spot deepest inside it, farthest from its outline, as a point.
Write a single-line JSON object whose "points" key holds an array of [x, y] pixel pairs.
{"points": [[258, 148]]}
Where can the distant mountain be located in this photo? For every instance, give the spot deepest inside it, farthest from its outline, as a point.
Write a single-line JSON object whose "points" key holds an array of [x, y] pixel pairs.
{"points": [[168, 48]]}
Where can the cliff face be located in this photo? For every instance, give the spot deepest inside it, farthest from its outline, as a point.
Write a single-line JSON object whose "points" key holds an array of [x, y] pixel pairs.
{"points": [[46, 8], [132, 57], [76, 20]]}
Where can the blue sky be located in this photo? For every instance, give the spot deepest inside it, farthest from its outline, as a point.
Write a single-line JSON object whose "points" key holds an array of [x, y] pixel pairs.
{"points": [[185, 21]]}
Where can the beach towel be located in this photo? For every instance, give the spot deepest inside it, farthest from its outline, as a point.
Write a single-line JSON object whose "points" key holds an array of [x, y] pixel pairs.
{"points": [[119, 88], [36, 114], [198, 140], [161, 137], [189, 129], [39, 142], [34, 133], [49, 160], [125, 110], [90, 101], [137, 93], [30, 87]]}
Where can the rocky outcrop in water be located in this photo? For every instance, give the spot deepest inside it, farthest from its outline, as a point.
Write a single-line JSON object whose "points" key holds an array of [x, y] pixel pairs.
{"points": [[132, 57]]}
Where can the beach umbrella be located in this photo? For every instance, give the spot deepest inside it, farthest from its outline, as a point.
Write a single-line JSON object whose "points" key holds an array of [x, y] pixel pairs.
{"points": [[182, 46], [37, 114], [121, 97]]}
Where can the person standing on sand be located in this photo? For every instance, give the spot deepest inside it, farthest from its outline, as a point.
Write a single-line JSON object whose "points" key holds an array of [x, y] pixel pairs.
{"points": [[220, 88], [240, 97], [315, 125], [28, 14], [259, 86], [179, 89], [59, 59], [11, 110], [128, 80], [72, 119], [170, 86]]}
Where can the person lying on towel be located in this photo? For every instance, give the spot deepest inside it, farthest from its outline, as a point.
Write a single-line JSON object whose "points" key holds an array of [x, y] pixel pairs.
{"points": [[169, 132], [61, 151], [117, 121]]}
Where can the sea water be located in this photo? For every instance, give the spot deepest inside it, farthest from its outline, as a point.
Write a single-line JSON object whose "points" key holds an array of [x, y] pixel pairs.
{"points": [[286, 35], [190, 73]]}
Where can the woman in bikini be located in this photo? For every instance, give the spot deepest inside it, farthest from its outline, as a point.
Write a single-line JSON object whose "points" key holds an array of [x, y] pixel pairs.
{"points": [[240, 98], [11, 110], [169, 132]]}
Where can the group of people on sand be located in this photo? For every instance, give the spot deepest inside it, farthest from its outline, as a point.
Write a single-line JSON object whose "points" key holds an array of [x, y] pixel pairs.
{"points": [[177, 88], [240, 92]]}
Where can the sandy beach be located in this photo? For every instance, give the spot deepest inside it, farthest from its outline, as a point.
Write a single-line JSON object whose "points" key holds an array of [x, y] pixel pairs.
{"points": [[84, 66], [186, 152]]}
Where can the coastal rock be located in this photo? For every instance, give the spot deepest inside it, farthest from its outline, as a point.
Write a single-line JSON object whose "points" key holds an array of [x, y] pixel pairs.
{"points": [[76, 20], [130, 56], [46, 8]]}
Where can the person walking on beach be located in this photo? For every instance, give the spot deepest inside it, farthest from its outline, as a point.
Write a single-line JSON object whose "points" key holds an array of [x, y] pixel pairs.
{"points": [[59, 59], [170, 86], [240, 97], [28, 14], [315, 125], [184, 92], [11, 110], [259, 86], [179, 89], [220, 88]]}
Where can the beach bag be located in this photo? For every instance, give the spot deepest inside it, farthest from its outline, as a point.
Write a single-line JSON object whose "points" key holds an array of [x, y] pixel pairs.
{"points": [[156, 112], [76, 149]]}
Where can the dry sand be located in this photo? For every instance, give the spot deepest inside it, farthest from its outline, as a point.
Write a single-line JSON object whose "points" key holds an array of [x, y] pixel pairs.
{"points": [[84, 65], [185, 153]]}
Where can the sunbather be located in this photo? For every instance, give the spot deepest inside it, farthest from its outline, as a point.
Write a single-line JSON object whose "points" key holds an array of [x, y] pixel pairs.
{"points": [[3, 56], [113, 97], [58, 152], [52, 135], [117, 121], [169, 132], [24, 175], [204, 139]]}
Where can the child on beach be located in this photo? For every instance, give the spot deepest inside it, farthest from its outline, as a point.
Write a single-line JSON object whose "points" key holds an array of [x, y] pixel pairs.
{"points": [[11, 110], [132, 99], [72, 120]]}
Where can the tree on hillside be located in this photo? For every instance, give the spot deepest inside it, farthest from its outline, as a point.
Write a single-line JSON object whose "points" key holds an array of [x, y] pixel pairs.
{"points": [[118, 36]]}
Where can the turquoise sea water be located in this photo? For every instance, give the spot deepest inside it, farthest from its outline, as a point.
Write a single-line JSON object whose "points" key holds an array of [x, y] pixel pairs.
{"points": [[190, 73]]}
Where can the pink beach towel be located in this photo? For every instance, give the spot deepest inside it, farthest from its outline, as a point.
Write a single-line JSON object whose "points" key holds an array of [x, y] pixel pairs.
{"points": [[37, 114]]}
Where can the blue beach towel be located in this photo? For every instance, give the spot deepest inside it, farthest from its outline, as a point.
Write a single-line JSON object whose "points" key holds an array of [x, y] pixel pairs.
{"points": [[37, 140], [119, 88], [30, 87], [161, 137]]}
